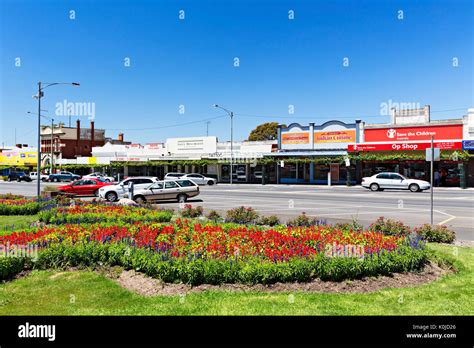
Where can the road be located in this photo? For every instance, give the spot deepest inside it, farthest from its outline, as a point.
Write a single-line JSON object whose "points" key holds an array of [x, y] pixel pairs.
{"points": [[452, 206]]}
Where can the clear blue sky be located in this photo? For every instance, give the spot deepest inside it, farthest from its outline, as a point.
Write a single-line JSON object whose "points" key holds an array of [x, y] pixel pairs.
{"points": [[190, 62]]}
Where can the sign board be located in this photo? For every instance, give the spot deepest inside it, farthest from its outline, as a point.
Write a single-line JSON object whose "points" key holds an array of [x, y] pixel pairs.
{"points": [[437, 153], [347, 162], [192, 145], [282, 164], [295, 138], [443, 132], [468, 144], [444, 145], [340, 136]]}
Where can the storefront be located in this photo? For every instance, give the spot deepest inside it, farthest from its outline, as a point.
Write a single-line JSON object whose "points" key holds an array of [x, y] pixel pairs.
{"points": [[402, 149], [316, 154]]}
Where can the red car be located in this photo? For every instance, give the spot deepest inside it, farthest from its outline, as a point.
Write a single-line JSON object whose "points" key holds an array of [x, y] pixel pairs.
{"points": [[84, 187]]}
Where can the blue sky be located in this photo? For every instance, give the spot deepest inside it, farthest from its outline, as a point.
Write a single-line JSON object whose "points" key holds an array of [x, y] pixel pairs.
{"points": [[190, 62]]}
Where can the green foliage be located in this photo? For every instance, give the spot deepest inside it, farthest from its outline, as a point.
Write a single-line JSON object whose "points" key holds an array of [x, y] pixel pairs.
{"points": [[304, 220], [390, 227], [271, 220], [265, 131], [242, 215], [354, 225], [189, 212], [213, 215], [30, 208], [10, 266], [437, 234]]}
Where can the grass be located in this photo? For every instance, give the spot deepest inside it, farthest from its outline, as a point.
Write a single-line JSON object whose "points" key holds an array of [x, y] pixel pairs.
{"points": [[88, 293], [7, 221]]}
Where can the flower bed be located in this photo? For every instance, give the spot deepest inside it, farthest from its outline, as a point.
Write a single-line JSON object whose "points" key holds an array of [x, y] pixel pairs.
{"points": [[19, 206], [223, 253], [93, 213]]}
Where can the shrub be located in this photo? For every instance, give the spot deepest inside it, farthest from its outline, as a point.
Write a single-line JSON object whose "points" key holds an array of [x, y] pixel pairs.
{"points": [[304, 220], [350, 226], [213, 215], [242, 215], [436, 234], [10, 266], [390, 227], [271, 220], [189, 212]]}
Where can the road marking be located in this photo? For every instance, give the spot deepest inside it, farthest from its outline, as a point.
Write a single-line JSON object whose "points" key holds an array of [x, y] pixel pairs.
{"points": [[447, 220]]}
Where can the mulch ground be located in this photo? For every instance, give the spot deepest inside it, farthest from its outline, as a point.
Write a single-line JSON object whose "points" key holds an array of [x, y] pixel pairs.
{"points": [[141, 284]]}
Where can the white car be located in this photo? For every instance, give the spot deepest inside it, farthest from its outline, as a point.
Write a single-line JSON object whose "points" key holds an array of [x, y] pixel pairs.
{"points": [[387, 180], [34, 176], [99, 176], [113, 193], [197, 178]]}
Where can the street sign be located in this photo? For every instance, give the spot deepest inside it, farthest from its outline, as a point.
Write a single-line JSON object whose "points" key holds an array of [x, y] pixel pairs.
{"points": [[437, 153], [347, 161], [468, 144], [282, 164]]}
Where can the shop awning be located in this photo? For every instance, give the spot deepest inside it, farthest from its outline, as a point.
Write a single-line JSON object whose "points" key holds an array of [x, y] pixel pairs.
{"points": [[318, 153]]}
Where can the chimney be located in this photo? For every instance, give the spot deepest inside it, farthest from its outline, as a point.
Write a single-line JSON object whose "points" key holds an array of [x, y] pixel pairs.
{"points": [[92, 134], [78, 136], [120, 137]]}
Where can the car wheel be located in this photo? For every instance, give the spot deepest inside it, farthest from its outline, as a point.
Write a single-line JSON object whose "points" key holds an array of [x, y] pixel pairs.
{"points": [[210, 182], [56, 179], [414, 188], [374, 187], [44, 179], [140, 199], [111, 196], [9, 179], [18, 180], [182, 198]]}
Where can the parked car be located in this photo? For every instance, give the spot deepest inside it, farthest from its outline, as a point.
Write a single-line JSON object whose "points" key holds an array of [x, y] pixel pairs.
{"points": [[199, 179], [387, 180], [34, 176], [99, 175], [172, 176], [113, 193], [180, 190], [63, 176], [84, 187], [18, 176]]}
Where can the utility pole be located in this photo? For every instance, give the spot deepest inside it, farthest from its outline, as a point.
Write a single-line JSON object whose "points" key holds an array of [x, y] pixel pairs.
{"points": [[231, 146], [38, 165], [52, 131], [207, 128], [432, 178]]}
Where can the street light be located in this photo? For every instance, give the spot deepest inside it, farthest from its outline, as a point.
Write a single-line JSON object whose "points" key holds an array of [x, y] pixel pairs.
{"points": [[231, 114], [52, 137], [39, 96]]}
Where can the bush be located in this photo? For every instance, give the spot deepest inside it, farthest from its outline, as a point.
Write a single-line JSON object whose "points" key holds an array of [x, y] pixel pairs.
{"points": [[213, 215], [11, 266], [242, 215], [189, 212], [27, 208], [436, 234], [271, 220], [304, 220], [350, 226], [390, 227], [197, 271]]}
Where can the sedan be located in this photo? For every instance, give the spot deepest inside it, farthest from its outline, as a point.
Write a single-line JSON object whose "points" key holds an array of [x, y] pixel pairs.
{"points": [[84, 187], [197, 178], [99, 176], [381, 181]]}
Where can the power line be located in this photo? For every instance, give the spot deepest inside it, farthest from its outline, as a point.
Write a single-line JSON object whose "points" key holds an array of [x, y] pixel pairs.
{"points": [[169, 126]]}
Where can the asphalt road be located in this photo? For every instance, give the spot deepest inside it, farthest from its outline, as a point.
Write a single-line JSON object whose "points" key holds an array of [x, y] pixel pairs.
{"points": [[453, 207]]}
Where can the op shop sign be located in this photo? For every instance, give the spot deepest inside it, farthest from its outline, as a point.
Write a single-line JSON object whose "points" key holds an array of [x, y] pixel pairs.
{"points": [[443, 132], [444, 145]]}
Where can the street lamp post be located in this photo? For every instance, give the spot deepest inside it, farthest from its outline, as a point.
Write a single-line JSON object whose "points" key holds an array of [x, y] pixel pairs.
{"points": [[231, 114], [41, 87]]}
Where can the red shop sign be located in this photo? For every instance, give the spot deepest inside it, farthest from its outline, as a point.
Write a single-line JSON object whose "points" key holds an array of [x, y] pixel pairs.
{"points": [[445, 132], [445, 145]]}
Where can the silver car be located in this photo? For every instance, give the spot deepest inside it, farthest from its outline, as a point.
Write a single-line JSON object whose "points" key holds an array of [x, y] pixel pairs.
{"points": [[180, 190]]}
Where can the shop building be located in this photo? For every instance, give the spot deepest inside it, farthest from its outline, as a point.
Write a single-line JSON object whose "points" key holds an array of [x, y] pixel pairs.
{"points": [[316, 154]]}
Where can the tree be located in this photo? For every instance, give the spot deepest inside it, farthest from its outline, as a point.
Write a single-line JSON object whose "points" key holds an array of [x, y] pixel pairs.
{"points": [[265, 131]]}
